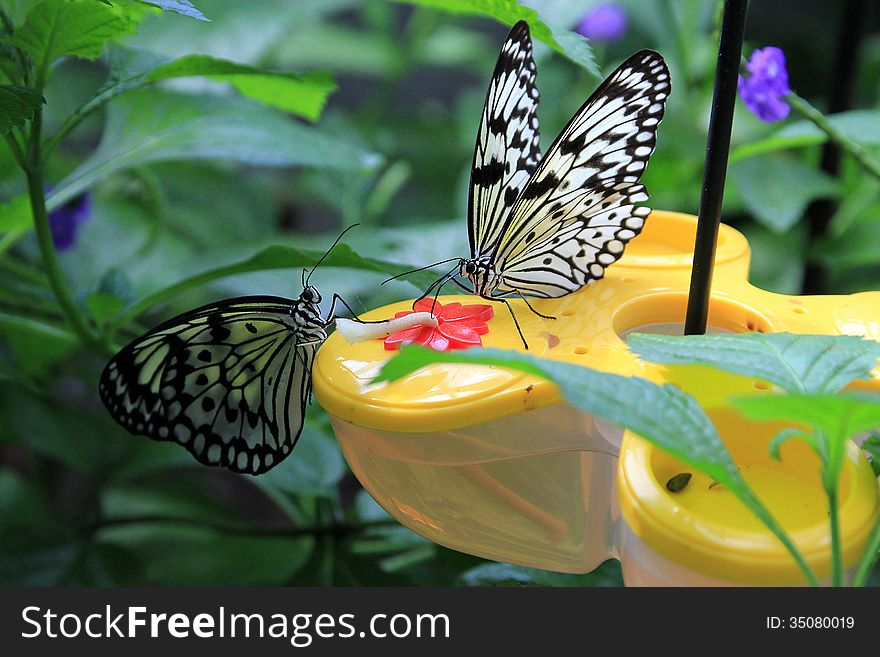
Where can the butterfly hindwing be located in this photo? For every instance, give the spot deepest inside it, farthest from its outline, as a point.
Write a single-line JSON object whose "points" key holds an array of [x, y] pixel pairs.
{"points": [[579, 210], [228, 381], [566, 258], [508, 142]]}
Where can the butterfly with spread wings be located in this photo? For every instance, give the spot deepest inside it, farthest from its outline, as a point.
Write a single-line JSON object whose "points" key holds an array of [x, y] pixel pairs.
{"points": [[545, 227], [229, 381]]}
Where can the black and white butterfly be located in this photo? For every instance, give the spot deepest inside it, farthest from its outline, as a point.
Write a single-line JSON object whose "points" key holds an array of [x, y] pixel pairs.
{"points": [[229, 381], [545, 227]]}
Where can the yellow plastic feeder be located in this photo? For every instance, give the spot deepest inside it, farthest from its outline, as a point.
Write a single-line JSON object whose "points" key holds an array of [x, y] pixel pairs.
{"points": [[493, 462]]}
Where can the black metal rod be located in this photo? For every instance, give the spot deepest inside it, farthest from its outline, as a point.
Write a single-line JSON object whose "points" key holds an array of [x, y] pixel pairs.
{"points": [[733, 24]]}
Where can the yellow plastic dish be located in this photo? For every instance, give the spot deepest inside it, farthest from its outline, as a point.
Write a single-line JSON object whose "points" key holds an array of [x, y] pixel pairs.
{"points": [[706, 530]]}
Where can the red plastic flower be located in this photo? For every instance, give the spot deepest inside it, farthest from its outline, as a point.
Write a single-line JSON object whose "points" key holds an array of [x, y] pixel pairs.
{"points": [[458, 326]]}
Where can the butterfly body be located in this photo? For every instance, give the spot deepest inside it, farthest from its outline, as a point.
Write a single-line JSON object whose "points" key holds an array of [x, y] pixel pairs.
{"points": [[229, 381], [545, 226]]}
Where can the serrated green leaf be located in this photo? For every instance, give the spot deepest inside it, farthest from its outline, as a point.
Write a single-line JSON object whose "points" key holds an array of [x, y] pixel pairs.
{"points": [[183, 7], [276, 257], [796, 363], [563, 41], [17, 105], [148, 126], [663, 415], [777, 190], [785, 435], [838, 417], [80, 28]]}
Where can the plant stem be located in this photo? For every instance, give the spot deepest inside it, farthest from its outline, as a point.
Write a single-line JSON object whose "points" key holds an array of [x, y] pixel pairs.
{"points": [[807, 111], [16, 150], [36, 189], [758, 508], [9, 239], [869, 557], [836, 553]]}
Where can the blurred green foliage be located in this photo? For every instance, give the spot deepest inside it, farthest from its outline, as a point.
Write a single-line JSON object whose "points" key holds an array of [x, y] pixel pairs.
{"points": [[240, 146]]}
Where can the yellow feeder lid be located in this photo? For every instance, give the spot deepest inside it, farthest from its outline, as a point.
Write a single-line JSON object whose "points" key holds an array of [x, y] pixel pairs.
{"points": [[646, 287]]}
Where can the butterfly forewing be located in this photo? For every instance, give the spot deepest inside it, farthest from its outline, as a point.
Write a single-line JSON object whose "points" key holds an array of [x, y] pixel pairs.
{"points": [[508, 148], [578, 210], [229, 381]]}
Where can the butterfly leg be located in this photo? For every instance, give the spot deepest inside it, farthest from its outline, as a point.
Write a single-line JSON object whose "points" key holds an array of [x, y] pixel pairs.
{"points": [[532, 309], [509, 308], [331, 316], [513, 316]]}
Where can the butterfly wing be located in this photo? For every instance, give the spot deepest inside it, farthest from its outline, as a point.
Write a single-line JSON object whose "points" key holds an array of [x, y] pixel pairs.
{"points": [[508, 149], [578, 210], [228, 381]]}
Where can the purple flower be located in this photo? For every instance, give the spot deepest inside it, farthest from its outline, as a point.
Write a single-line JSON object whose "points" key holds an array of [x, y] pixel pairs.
{"points": [[65, 221], [603, 23], [763, 90]]}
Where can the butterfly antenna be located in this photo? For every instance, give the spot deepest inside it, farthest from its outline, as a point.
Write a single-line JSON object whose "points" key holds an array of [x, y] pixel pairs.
{"points": [[326, 253], [438, 284], [413, 271]]}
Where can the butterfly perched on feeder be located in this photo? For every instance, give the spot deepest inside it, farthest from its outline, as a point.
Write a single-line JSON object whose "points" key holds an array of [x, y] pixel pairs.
{"points": [[229, 381], [547, 226]]}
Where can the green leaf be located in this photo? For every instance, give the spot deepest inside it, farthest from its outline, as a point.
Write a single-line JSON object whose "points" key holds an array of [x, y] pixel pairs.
{"points": [[80, 28], [104, 305], [872, 447], [783, 436], [857, 247], [304, 95], [314, 469], [183, 7], [153, 126], [838, 417], [35, 345], [663, 415], [777, 190], [192, 556], [17, 105], [563, 41], [131, 68], [796, 363], [16, 215], [275, 257], [36, 549], [862, 126]]}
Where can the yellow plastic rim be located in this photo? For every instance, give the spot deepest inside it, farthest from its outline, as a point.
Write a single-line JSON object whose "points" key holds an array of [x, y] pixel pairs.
{"points": [[718, 545]]}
